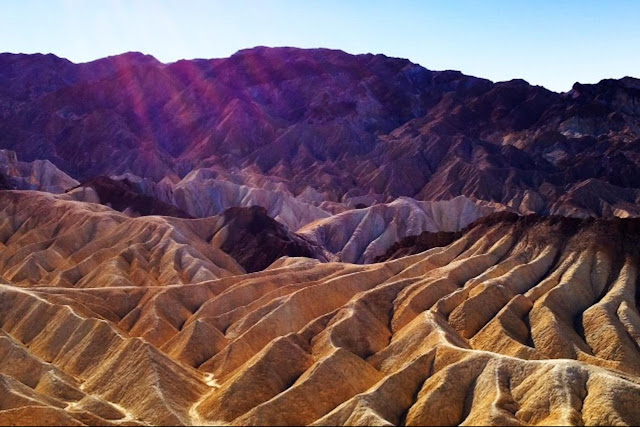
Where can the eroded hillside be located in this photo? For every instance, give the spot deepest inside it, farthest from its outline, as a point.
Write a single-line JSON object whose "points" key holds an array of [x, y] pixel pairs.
{"points": [[329, 130], [107, 319]]}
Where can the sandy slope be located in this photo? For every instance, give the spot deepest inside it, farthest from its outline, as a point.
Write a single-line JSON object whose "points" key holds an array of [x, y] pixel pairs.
{"points": [[520, 321], [360, 235], [37, 175]]}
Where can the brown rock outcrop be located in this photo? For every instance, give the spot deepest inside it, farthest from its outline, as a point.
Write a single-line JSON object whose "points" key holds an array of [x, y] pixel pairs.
{"points": [[122, 196], [256, 240]]}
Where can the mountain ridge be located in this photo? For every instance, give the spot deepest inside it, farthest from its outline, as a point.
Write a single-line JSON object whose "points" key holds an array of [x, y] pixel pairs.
{"points": [[353, 128], [307, 237], [312, 134]]}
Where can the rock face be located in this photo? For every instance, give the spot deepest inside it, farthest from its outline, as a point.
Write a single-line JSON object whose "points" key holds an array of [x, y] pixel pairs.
{"points": [[193, 250], [205, 272], [353, 235], [207, 192], [256, 240], [52, 241], [122, 196], [416, 243], [37, 175], [112, 320], [329, 128], [361, 235]]}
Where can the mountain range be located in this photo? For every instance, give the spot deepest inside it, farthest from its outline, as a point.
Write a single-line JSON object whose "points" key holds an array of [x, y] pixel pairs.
{"points": [[307, 237], [329, 128]]}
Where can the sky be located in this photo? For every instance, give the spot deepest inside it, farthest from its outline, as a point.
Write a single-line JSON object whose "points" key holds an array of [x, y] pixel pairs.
{"points": [[552, 43]]}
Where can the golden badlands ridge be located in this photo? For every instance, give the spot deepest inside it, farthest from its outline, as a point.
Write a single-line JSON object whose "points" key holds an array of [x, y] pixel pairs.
{"points": [[112, 320]]}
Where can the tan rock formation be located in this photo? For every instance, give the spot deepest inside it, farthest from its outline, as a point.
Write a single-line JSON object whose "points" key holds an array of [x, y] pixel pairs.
{"points": [[361, 235], [37, 175], [208, 192], [111, 320]]}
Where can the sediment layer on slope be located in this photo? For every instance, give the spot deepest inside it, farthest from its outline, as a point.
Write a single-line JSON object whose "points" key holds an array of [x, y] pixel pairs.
{"points": [[60, 242], [48, 240], [36, 175], [426, 240], [519, 321], [208, 192], [361, 235], [350, 235], [122, 196]]}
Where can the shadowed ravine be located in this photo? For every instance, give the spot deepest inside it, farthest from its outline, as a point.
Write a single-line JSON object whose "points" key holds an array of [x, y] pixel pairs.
{"points": [[112, 320]]}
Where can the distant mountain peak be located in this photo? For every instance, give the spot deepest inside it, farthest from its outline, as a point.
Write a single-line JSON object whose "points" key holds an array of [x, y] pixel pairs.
{"points": [[349, 129]]}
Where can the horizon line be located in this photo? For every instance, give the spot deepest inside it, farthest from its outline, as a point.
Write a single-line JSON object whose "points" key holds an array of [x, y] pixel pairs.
{"points": [[307, 49]]}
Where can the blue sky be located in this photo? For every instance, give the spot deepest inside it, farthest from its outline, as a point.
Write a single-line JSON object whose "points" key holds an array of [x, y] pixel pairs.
{"points": [[548, 43]]}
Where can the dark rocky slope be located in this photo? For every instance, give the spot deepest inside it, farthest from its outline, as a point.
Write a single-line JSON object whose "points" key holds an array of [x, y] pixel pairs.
{"points": [[122, 196], [352, 129], [256, 240], [618, 235]]}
